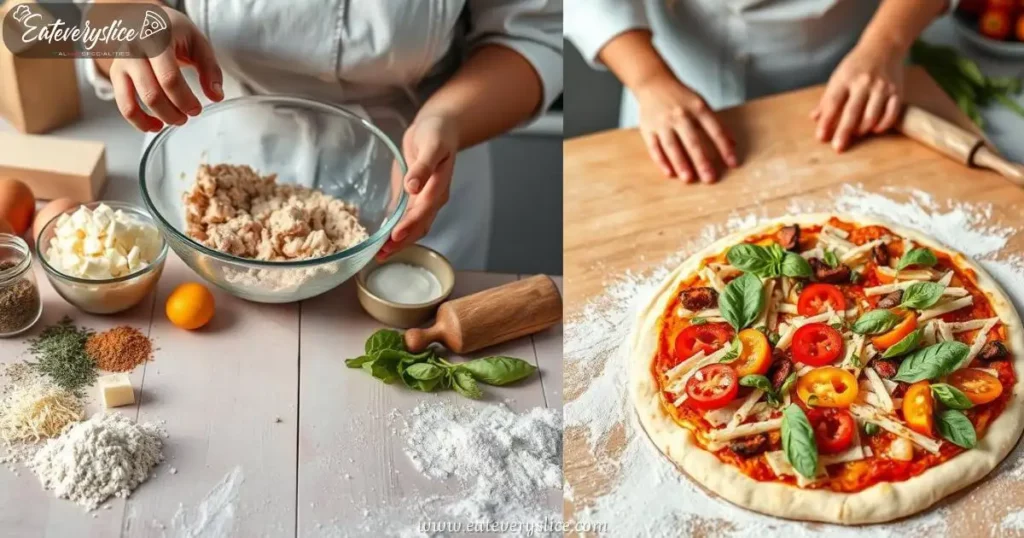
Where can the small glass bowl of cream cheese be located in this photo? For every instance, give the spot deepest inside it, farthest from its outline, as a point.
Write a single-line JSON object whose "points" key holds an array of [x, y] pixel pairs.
{"points": [[405, 290], [103, 257]]}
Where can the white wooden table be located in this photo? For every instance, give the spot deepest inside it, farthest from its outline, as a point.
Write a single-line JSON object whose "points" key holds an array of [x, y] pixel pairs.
{"points": [[264, 388]]}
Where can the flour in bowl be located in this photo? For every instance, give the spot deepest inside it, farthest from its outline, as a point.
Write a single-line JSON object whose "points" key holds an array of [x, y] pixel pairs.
{"points": [[237, 211]]}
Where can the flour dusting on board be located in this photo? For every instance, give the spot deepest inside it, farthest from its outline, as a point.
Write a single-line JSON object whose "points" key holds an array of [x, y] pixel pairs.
{"points": [[646, 495], [214, 516]]}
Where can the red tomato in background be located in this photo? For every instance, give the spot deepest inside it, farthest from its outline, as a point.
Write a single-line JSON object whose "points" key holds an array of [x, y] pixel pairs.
{"points": [[995, 24], [972, 7], [1020, 27]]}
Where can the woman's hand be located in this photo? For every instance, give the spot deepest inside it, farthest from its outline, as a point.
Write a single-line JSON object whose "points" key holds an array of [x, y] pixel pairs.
{"points": [[429, 145], [158, 81], [864, 95], [681, 132]]}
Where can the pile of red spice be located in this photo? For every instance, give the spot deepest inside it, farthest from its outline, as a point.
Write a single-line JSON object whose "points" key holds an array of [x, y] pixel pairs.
{"points": [[120, 349]]}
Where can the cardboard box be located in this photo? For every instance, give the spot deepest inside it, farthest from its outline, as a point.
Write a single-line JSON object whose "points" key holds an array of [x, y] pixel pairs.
{"points": [[37, 95], [54, 167]]}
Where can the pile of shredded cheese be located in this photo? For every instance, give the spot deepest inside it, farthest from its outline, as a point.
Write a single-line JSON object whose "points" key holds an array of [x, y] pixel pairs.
{"points": [[35, 410]]}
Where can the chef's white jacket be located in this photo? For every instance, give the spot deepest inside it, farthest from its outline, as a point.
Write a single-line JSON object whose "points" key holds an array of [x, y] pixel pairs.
{"points": [[728, 51], [383, 57]]}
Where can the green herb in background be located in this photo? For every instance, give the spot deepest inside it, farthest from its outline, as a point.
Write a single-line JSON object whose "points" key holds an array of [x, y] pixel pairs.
{"points": [[963, 80], [387, 359], [60, 354]]}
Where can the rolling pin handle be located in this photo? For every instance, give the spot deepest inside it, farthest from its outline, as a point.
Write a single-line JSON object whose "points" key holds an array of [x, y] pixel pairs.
{"points": [[416, 340]]}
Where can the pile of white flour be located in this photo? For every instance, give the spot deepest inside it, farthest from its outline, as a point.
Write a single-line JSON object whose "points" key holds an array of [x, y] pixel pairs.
{"points": [[107, 455], [646, 495], [511, 461]]}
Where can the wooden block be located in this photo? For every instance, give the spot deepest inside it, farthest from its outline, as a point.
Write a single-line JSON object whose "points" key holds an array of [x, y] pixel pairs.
{"points": [[54, 167], [37, 95]]}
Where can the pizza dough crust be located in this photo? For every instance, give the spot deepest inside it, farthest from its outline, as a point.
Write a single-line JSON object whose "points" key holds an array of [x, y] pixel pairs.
{"points": [[881, 502]]}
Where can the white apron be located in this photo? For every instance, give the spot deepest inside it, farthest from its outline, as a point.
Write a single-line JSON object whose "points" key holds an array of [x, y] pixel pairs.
{"points": [[730, 51], [383, 59]]}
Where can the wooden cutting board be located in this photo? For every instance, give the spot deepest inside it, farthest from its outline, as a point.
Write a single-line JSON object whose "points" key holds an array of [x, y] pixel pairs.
{"points": [[622, 215]]}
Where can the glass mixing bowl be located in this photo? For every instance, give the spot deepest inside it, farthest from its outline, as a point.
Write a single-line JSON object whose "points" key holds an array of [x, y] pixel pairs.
{"points": [[304, 142]]}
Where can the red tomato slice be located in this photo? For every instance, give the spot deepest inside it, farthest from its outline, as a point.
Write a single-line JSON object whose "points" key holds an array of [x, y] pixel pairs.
{"points": [[833, 429], [816, 297], [817, 344], [756, 356], [979, 387], [713, 386], [707, 338], [919, 408]]}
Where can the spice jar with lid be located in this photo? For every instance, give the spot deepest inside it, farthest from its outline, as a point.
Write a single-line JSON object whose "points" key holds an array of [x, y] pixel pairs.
{"points": [[20, 304]]}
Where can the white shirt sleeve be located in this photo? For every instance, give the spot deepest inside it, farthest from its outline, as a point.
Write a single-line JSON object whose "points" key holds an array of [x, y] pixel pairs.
{"points": [[591, 24], [530, 27]]}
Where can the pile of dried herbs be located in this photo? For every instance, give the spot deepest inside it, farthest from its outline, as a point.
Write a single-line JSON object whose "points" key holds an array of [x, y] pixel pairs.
{"points": [[60, 354]]}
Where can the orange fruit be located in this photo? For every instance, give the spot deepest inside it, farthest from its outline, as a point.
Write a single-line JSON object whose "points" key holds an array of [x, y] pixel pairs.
{"points": [[190, 306]]}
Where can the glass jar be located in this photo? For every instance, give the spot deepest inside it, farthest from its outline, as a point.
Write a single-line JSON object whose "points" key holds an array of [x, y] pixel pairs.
{"points": [[20, 304]]}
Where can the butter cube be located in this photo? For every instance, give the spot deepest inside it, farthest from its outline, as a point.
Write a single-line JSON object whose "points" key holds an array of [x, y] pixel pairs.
{"points": [[116, 390]]}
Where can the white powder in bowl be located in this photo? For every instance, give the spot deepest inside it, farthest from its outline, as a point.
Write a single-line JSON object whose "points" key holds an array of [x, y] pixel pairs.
{"points": [[404, 284]]}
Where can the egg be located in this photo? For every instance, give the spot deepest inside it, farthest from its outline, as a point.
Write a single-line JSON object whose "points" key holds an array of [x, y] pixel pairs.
{"points": [[17, 205], [49, 211]]}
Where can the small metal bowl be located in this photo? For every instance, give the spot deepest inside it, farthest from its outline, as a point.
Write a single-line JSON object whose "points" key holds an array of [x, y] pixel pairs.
{"points": [[406, 315]]}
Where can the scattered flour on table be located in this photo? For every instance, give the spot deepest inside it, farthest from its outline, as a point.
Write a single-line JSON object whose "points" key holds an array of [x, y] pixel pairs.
{"points": [[107, 455], [214, 516], [646, 495], [503, 468]]}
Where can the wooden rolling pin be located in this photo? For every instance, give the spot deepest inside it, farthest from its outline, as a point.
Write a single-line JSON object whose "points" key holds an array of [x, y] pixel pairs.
{"points": [[956, 143], [491, 316]]}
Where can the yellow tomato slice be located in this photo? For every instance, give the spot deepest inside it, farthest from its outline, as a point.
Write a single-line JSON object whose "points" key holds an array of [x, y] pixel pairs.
{"points": [[827, 387], [919, 408], [756, 356], [899, 332]]}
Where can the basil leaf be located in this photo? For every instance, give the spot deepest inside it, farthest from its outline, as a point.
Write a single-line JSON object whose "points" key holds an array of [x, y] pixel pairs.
{"points": [[795, 266], [787, 384], [773, 338], [921, 295], [777, 252], [698, 321], [772, 399], [498, 370], [955, 427], [759, 382], [798, 441], [917, 256], [906, 344], [464, 384], [742, 301], [384, 339], [424, 371], [831, 259], [358, 362], [932, 362], [751, 259], [736, 347], [871, 428], [385, 366], [951, 396], [854, 277], [876, 322], [422, 385]]}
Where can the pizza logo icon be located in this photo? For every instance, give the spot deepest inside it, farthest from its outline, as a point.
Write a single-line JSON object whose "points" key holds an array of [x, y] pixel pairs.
{"points": [[153, 24]]}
